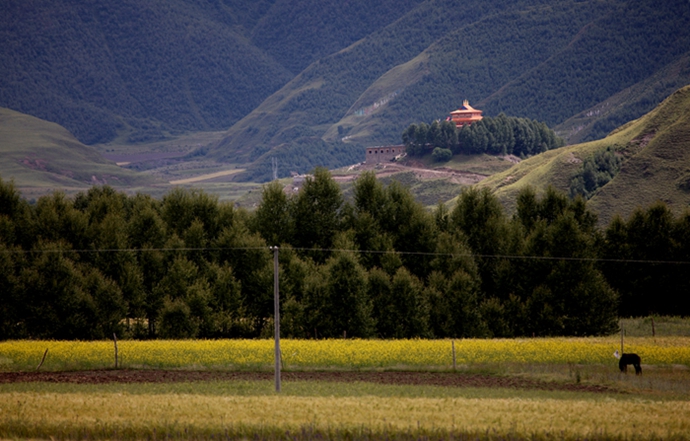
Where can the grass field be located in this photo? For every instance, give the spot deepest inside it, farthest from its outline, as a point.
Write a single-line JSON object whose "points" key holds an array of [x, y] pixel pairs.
{"points": [[40, 410], [655, 405]]}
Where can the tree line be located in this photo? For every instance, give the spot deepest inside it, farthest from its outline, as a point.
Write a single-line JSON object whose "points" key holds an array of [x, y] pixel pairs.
{"points": [[377, 266], [502, 135]]}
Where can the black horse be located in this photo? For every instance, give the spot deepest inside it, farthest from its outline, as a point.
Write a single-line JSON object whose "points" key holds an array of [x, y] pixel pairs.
{"points": [[626, 359]]}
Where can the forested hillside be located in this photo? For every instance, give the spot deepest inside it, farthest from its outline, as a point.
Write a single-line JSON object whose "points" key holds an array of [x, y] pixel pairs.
{"points": [[143, 69], [380, 266], [312, 83], [541, 61], [149, 69], [640, 163]]}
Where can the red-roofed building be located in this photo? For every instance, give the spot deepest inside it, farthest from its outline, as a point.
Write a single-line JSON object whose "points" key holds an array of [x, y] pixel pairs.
{"points": [[465, 115]]}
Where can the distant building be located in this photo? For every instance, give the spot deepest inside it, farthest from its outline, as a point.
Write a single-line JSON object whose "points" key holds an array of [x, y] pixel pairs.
{"points": [[465, 115], [388, 153]]}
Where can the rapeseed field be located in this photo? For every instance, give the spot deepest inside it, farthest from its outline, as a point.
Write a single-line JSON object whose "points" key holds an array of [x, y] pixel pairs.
{"points": [[337, 354]]}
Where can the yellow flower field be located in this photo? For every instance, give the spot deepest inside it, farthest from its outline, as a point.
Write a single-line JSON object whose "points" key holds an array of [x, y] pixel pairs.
{"points": [[348, 354]]}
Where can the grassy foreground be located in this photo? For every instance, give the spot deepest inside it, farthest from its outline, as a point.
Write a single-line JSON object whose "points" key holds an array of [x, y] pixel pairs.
{"points": [[337, 410], [655, 405]]}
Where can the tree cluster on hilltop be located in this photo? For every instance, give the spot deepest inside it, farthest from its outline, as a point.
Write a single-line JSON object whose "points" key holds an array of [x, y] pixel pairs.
{"points": [[502, 135], [379, 266]]}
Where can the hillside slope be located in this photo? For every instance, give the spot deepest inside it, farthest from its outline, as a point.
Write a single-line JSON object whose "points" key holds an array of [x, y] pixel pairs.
{"points": [[313, 82], [140, 69], [145, 70], [546, 60], [40, 156], [597, 121], [656, 164]]}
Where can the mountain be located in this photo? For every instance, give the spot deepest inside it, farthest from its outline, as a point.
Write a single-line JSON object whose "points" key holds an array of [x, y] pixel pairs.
{"points": [[142, 70], [543, 60], [312, 82], [628, 104], [146, 70], [655, 155], [39, 156]]}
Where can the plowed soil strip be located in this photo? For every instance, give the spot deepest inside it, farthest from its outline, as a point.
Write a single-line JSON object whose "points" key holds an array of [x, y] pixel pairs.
{"points": [[444, 379]]}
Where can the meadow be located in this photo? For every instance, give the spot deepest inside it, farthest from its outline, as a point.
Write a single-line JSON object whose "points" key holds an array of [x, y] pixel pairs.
{"points": [[655, 405]]}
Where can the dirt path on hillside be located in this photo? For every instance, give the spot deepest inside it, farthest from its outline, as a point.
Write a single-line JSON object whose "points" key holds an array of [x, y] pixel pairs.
{"points": [[454, 176], [444, 379]]}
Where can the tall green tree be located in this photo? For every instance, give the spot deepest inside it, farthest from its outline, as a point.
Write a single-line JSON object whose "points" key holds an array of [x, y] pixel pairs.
{"points": [[273, 218], [349, 307], [411, 227], [635, 253], [251, 261], [366, 218], [479, 216], [318, 213], [55, 303]]}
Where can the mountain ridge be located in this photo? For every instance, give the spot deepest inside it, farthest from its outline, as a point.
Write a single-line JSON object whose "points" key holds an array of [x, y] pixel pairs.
{"points": [[655, 157], [313, 83]]}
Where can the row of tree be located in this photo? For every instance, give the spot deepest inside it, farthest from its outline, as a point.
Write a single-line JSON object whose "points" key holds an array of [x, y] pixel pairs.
{"points": [[379, 265], [502, 135]]}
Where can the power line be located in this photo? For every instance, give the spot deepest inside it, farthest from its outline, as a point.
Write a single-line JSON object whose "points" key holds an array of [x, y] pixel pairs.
{"points": [[341, 250]]}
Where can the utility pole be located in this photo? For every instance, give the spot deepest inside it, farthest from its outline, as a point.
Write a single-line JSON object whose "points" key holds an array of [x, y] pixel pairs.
{"points": [[276, 317]]}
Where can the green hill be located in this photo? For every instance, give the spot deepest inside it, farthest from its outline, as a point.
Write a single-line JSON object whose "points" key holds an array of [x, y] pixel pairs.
{"points": [[632, 102], [141, 70], [146, 70], [313, 82], [544, 60], [41, 156], [298, 33], [655, 153]]}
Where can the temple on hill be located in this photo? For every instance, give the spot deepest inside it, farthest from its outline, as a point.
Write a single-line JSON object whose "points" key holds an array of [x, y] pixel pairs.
{"points": [[465, 115]]}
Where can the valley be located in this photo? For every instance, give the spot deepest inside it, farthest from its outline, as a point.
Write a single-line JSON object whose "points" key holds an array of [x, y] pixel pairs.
{"points": [[171, 164]]}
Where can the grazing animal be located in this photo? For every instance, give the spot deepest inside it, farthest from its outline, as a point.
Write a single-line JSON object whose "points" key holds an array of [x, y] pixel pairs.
{"points": [[625, 359]]}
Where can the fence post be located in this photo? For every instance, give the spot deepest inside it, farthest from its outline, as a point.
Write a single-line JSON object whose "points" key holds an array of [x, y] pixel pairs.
{"points": [[42, 360]]}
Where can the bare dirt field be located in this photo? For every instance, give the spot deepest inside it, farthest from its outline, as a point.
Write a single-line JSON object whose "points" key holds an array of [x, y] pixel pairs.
{"points": [[445, 379]]}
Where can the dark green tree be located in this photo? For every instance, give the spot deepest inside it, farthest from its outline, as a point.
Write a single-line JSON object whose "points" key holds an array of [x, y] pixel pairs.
{"points": [[317, 213], [55, 303], [176, 320], [479, 216], [634, 253], [411, 227], [252, 265], [273, 217], [348, 305], [441, 155]]}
